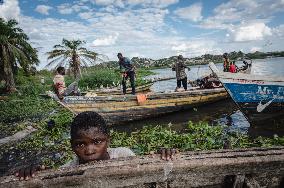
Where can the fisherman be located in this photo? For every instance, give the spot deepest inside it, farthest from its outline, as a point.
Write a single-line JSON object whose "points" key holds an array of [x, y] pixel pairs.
{"points": [[179, 66], [246, 68], [226, 63], [90, 139], [59, 85], [127, 70]]}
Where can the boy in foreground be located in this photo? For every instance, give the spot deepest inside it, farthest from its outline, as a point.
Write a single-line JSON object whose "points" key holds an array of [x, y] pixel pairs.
{"points": [[90, 140]]}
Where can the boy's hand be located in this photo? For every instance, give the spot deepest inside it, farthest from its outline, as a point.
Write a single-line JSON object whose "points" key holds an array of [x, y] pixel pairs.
{"points": [[167, 153], [123, 75], [29, 172]]}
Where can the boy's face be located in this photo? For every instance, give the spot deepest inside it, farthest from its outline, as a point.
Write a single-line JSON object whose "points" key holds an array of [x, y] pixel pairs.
{"points": [[90, 145], [62, 72]]}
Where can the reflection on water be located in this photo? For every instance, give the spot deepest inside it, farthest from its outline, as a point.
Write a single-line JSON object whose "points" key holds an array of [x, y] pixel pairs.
{"points": [[223, 112], [272, 66]]}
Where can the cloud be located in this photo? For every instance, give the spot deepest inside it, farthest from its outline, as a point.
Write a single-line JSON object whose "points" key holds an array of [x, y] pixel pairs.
{"points": [[153, 3], [142, 28], [279, 30], [43, 9], [254, 49], [234, 12], [250, 32], [143, 3], [192, 12], [107, 41], [195, 47], [85, 15], [45, 33], [65, 9], [10, 10]]}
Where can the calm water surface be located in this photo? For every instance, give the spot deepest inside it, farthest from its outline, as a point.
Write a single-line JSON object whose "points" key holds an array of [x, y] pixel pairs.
{"points": [[224, 112]]}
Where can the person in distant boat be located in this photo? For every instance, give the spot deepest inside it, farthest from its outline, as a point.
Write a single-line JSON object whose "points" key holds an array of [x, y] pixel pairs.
{"points": [[59, 85], [246, 68], [90, 139], [233, 67], [226, 63], [128, 71], [179, 67]]}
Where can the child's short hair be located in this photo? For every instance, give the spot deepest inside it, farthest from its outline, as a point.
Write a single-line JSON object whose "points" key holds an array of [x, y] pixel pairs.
{"points": [[87, 120], [59, 69]]}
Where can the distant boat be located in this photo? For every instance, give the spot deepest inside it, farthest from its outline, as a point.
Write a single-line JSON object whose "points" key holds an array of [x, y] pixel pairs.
{"points": [[258, 97]]}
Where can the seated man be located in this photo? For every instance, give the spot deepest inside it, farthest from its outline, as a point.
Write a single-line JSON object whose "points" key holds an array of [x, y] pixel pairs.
{"points": [[59, 85]]}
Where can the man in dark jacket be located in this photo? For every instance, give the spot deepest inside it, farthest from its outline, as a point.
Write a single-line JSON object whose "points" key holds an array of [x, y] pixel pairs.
{"points": [[128, 71]]}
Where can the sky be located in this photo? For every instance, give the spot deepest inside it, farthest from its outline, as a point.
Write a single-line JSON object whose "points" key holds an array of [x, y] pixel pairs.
{"points": [[151, 28]]}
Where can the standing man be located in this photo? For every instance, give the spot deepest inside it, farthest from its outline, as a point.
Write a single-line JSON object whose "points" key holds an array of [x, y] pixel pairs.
{"points": [[128, 71], [181, 76], [226, 63]]}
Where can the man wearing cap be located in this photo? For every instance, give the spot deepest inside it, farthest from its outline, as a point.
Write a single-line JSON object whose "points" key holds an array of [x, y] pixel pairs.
{"points": [[128, 71]]}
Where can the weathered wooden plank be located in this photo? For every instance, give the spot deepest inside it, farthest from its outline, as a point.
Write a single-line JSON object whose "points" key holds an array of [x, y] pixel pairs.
{"points": [[134, 103], [178, 102], [4, 98], [17, 136], [118, 91], [265, 166], [112, 104], [151, 96]]}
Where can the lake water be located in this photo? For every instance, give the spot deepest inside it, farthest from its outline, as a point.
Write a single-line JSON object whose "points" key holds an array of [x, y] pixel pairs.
{"points": [[223, 112]]}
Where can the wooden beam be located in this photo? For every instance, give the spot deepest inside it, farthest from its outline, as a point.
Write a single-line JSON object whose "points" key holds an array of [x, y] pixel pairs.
{"points": [[17, 136], [189, 169]]}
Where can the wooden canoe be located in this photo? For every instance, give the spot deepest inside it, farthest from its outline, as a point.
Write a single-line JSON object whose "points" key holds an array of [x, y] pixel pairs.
{"points": [[253, 167], [111, 91], [118, 91], [118, 109]]}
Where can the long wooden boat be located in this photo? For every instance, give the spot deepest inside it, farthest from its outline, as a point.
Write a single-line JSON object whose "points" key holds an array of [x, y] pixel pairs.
{"points": [[258, 97], [118, 91], [254, 167], [117, 109], [110, 91]]}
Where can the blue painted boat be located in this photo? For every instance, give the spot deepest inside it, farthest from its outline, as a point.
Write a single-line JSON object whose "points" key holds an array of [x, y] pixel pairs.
{"points": [[260, 98]]}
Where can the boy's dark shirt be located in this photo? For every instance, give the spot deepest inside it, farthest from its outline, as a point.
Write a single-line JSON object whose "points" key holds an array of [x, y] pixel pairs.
{"points": [[126, 64]]}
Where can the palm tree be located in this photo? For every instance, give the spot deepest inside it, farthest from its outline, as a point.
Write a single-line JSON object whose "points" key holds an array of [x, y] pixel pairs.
{"points": [[71, 54], [14, 51]]}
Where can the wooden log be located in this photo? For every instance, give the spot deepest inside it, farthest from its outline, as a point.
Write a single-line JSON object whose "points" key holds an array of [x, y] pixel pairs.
{"points": [[189, 169], [17, 136], [4, 98]]}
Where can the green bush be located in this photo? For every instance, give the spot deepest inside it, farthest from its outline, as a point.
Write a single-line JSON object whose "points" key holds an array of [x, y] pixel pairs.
{"points": [[199, 136], [14, 109]]}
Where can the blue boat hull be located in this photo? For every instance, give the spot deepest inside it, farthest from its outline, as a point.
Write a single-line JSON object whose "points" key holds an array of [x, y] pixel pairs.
{"points": [[258, 102], [258, 97], [272, 113]]}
